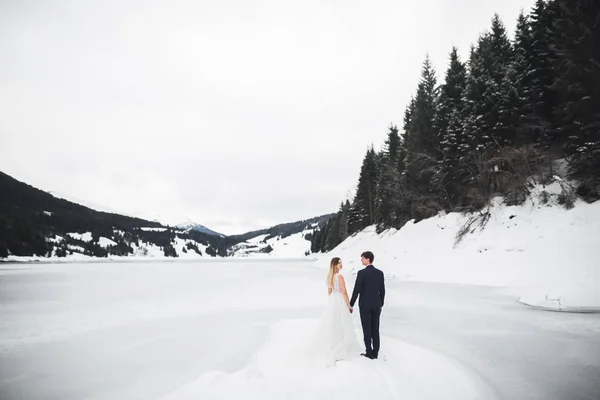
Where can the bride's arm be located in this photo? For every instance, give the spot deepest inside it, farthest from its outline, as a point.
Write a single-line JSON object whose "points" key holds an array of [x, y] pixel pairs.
{"points": [[343, 290]]}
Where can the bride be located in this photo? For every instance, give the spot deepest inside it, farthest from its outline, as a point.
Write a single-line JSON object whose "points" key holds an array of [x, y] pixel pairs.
{"points": [[335, 337]]}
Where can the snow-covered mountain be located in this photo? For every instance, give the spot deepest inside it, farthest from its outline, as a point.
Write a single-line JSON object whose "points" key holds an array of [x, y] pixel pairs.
{"points": [[38, 226], [76, 248], [264, 245], [289, 239], [191, 225]]}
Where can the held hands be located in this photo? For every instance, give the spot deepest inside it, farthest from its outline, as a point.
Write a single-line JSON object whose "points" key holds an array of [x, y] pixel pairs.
{"points": [[351, 309]]}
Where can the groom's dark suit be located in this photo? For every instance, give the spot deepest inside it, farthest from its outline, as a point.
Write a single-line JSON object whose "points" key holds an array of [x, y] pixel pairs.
{"points": [[371, 287]]}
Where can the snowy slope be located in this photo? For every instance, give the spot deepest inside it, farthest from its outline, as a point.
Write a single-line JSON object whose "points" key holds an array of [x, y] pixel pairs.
{"points": [[141, 250], [544, 254], [293, 246], [85, 237], [191, 225]]}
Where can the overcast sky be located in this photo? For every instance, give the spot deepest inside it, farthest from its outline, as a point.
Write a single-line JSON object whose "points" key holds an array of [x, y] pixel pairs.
{"points": [[235, 114]]}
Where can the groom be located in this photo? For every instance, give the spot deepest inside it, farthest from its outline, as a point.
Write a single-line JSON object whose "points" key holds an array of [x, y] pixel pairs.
{"points": [[370, 285]]}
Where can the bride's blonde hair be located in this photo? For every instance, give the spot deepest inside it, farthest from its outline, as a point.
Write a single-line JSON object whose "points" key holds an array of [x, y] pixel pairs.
{"points": [[332, 270]]}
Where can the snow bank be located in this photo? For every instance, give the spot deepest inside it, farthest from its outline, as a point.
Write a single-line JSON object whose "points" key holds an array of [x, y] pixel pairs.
{"points": [[546, 255]]}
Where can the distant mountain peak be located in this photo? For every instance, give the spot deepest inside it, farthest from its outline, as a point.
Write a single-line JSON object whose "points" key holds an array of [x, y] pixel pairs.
{"points": [[191, 225]]}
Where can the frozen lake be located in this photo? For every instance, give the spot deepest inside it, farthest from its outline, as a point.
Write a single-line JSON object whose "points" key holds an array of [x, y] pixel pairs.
{"points": [[166, 330]]}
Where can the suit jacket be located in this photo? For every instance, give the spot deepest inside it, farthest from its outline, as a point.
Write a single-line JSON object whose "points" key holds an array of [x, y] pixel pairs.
{"points": [[370, 286]]}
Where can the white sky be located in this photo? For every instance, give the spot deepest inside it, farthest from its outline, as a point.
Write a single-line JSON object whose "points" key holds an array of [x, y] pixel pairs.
{"points": [[235, 114]]}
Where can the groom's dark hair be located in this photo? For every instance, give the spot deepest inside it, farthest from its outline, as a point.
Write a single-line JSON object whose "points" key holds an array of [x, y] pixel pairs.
{"points": [[369, 256]]}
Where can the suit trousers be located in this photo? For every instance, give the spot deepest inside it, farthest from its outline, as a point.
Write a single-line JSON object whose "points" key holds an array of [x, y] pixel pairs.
{"points": [[369, 319]]}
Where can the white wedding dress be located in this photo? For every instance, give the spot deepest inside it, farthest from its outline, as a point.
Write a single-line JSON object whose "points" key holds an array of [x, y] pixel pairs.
{"points": [[334, 338]]}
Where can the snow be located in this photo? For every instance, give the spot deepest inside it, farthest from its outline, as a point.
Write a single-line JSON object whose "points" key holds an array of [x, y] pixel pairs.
{"points": [[55, 239], [105, 242], [257, 239], [228, 329], [273, 375], [143, 251], [189, 225], [180, 243], [147, 250], [293, 246], [543, 254], [85, 237], [74, 248], [153, 229]]}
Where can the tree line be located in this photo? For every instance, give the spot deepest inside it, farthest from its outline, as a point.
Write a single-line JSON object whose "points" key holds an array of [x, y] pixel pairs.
{"points": [[497, 120], [29, 217]]}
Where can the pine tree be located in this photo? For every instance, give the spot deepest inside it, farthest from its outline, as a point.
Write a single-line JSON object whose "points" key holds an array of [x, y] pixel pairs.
{"points": [[362, 213], [333, 235], [344, 213], [388, 185], [392, 144], [577, 66], [486, 123], [354, 219], [450, 98], [338, 230], [408, 138], [499, 95], [316, 245], [519, 88], [320, 240], [541, 96], [422, 165], [501, 49], [423, 137], [447, 123], [313, 241], [473, 121], [405, 198], [325, 235]]}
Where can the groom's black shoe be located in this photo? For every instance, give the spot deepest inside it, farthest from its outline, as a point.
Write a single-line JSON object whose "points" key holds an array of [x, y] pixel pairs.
{"points": [[374, 356], [366, 355]]}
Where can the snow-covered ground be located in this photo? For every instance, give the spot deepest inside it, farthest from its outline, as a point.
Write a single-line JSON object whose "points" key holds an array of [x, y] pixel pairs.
{"points": [[293, 246], [153, 229], [84, 237], [105, 242], [543, 254], [225, 329]]}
